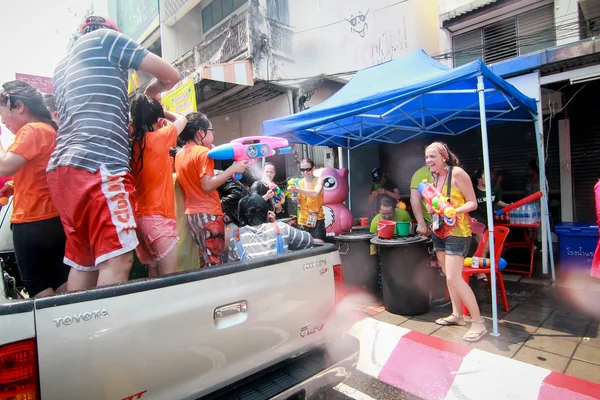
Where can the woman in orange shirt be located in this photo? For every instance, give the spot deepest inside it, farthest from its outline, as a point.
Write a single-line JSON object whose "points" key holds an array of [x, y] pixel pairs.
{"points": [[38, 235], [151, 139], [196, 175]]}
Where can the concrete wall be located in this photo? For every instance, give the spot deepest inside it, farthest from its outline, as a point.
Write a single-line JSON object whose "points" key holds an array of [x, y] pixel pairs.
{"points": [[389, 30], [449, 5], [248, 122], [183, 35], [362, 161]]}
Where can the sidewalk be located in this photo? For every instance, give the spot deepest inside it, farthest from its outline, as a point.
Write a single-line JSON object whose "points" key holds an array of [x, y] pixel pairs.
{"points": [[549, 326], [433, 368]]}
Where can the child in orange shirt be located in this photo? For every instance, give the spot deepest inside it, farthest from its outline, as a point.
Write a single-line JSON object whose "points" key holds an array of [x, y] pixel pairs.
{"points": [[151, 139], [38, 234], [195, 174]]}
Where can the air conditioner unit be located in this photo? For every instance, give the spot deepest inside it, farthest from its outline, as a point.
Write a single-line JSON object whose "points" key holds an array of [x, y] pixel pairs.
{"points": [[551, 101]]}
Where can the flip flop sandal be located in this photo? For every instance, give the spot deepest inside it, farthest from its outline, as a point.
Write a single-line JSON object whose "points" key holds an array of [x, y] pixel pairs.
{"points": [[474, 336], [445, 322]]}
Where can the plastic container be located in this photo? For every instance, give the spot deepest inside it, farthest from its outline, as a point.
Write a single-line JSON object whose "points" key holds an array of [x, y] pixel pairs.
{"points": [[402, 229], [359, 262], [364, 222], [406, 274], [577, 243], [386, 229]]}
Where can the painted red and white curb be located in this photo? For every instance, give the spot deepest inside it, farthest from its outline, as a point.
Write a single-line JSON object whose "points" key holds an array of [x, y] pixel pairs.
{"points": [[432, 368]]}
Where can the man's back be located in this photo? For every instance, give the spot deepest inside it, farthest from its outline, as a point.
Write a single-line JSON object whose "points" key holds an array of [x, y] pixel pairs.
{"points": [[261, 240], [91, 95]]}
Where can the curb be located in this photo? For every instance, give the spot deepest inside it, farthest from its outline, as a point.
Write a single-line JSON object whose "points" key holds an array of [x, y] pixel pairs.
{"points": [[432, 368]]}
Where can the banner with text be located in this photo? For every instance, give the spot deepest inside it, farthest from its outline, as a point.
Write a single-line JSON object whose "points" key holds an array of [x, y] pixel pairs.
{"points": [[181, 100]]}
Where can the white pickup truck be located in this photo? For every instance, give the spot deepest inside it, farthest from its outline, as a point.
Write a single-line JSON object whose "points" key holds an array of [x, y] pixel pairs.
{"points": [[246, 330]]}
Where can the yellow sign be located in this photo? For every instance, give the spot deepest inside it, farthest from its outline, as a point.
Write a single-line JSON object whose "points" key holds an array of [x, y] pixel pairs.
{"points": [[181, 100], [134, 83]]}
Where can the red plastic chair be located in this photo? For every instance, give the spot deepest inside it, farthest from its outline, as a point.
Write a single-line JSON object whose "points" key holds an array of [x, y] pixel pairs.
{"points": [[501, 232]]}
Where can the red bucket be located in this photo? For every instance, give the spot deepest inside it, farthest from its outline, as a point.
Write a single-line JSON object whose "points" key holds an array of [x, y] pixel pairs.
{"points": [[386, 229]]}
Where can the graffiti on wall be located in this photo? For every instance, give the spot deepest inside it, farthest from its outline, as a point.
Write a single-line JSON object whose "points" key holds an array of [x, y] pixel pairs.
{"points": [[389, 44], [358, 23]]}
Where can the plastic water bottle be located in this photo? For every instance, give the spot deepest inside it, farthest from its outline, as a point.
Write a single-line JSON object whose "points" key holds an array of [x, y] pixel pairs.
{"points": [[528, 214], [519, 215]]}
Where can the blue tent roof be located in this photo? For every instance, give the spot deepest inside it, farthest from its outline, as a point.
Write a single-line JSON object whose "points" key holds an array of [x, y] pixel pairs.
{"points": [[403, 98]]}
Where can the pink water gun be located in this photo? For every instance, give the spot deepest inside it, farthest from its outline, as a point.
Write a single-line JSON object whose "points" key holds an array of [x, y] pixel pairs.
{"points": [[250, 149]]}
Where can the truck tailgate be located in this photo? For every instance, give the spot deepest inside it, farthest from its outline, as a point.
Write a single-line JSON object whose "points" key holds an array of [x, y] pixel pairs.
{"points": [[184, 335]]}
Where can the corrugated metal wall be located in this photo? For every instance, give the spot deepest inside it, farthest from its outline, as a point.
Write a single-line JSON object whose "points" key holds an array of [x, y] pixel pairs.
{"points": [[585, 147], [512, 146]]}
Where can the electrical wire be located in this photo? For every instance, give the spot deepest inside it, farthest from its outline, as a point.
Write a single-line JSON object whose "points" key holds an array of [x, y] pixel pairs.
{"points": [[343, 20]]}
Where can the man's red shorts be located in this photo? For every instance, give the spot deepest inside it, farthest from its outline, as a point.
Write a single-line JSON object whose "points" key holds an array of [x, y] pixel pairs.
{"points": [[96, 210]]}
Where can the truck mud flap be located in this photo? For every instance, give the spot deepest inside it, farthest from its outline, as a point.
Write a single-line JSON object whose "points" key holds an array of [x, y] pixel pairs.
{"points": [[299, 378]]}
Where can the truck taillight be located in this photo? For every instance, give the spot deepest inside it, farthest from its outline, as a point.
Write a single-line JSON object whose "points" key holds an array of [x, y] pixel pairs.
{"points": [[338, 279], [18, 371]]}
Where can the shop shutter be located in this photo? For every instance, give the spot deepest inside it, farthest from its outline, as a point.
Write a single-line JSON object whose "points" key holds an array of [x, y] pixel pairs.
{"points": [[500, 41], [585, 156], [512, 146], [536, 30], [467, 47]]}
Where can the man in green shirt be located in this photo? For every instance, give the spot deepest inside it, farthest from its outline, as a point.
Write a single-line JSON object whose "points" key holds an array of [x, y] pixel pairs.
{"points": [[388, 211], [417, 203]]}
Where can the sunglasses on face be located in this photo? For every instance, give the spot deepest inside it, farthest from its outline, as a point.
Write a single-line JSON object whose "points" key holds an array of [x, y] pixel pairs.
{"points": [[305, 169]]}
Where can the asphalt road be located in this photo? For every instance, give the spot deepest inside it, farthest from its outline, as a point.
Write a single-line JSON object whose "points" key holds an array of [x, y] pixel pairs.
{"points": [[363, 387]]}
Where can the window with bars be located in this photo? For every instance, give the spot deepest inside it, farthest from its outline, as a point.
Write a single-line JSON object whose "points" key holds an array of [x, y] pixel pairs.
{"points": [[279, 10], [217, 11], [511, 37]]}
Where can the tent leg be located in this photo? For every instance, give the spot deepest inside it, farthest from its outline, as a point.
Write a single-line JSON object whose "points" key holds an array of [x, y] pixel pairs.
{"points": [[349, 177], [488, 195], [545, 221]]}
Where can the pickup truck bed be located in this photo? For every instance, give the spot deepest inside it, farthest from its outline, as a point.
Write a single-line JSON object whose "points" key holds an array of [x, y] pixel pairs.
{"points": [[249, 330]]}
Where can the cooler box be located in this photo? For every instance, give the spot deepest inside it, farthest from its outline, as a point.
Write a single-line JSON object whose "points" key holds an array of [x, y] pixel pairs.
{"points": [[577, 242]]}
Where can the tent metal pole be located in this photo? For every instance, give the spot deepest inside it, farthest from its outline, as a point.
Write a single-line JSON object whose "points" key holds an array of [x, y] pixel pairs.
{"points": [[349, 177], [488, 195], [545, 220]]}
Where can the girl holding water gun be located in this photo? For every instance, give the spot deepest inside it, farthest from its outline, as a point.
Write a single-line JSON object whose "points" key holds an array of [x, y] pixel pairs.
{"points": [[452, 242], [267, 188], [38, 234], [151, 138], [196, 175], [310, 197]]}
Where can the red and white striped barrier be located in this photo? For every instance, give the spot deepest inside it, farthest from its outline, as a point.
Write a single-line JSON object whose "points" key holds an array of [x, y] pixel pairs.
{"points": [[433, 368]]}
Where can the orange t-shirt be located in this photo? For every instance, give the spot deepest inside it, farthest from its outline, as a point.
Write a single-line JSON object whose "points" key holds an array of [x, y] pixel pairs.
{"points": [[154, 192], [191, 164], [32, 202]]}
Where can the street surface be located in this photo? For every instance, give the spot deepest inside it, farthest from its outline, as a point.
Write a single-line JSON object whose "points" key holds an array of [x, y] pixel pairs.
{"points": [[360, 386]]}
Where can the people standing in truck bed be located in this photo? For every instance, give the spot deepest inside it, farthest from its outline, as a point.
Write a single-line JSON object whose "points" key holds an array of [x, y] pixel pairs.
{"points": [[38, 235], [151, 139], [88, 172], [195, 174]]}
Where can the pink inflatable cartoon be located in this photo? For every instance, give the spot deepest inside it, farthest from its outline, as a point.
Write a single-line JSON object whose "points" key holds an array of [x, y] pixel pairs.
{"points": [[338, 218]]}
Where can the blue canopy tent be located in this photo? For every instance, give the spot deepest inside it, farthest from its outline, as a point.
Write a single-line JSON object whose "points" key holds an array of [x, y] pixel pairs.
{"points": [[416, 95]]}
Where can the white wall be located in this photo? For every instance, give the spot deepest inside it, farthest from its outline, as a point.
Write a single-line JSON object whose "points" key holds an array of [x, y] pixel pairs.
{"points": [[390, 30], [248, 122], [324, 91], [183, 35], [449, 5]]}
